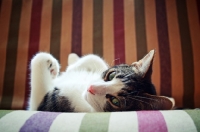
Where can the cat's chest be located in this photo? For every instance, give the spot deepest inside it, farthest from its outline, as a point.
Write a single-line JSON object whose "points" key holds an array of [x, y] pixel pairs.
{"points": [[74, 86], [76, 80]]}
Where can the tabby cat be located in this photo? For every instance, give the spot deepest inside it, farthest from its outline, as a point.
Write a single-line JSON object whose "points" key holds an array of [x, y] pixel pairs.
{"points": [[90, 85]]}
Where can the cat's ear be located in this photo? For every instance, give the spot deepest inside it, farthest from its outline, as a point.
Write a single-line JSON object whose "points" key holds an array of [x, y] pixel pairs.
{"points": [[158, 102], [72, 58], [144, 66]]}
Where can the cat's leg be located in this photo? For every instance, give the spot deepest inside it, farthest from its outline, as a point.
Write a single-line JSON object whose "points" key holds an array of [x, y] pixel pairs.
{"points": [[90, 62], [72, 58], [44, 68]]}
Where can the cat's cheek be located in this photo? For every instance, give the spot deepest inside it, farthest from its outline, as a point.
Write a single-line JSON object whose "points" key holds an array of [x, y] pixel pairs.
{"points": [[87, 96], [84, 95], [96, 101]]}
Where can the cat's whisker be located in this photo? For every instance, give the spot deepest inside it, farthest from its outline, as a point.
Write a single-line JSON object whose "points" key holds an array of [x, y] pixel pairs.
{"points": [[115, 60], [124, 79], [146, 98], [128, 81], [139, 100], [129, 75], [124, 101]]}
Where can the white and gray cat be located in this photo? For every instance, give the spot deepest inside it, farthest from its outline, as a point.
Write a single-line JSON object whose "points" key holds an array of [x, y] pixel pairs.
{"points": [[90, 85]]}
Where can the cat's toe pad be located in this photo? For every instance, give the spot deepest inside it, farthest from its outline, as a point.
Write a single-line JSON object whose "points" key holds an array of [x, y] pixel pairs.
{"points": [[53, 67], [46, 61]]}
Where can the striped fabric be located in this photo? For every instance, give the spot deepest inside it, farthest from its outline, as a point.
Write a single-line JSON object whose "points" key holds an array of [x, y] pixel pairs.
{"points": [[142, 121], [121, 31]]}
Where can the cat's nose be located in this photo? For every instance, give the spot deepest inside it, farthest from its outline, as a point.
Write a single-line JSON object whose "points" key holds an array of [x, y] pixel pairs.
{"points": [[91, 90]]}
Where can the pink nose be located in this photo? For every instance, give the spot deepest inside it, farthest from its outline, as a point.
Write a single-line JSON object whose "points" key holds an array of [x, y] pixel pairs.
{"points": [[91, 90]]}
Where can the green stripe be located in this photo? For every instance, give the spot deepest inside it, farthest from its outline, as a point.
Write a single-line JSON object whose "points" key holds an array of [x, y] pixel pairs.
{"points": [[56, 28], [11, 55], [98, 27], [4, 112], [95, 122], [195, 115], [140, 29]]}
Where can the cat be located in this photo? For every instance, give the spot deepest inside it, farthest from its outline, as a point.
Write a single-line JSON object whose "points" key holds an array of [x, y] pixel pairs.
{"points": [[90, 85]]}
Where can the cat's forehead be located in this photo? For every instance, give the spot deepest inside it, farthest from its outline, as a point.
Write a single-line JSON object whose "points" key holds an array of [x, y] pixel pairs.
{"points": [[122, 68]]}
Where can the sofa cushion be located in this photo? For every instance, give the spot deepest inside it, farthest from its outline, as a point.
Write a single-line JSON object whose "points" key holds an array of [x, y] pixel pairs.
{"points": [[151, 121]]}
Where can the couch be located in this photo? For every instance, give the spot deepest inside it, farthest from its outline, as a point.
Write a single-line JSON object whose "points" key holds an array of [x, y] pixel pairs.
{"points": [[120, 31]]}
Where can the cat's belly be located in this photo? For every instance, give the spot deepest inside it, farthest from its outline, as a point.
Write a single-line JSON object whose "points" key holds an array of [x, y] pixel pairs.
{"points": [[74, 85]]}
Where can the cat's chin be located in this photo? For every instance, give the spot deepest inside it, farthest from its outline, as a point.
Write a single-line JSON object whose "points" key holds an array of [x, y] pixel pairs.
{"points": [[95, 101]]}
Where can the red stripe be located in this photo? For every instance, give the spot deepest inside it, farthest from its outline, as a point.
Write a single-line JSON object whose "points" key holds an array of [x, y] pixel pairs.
{"points": [[119, 39], [77, 27], [34, 41], [187, 54], [151, 121], [163, 39]]}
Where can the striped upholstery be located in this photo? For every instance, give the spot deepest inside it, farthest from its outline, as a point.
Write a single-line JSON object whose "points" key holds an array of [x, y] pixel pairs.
{"points": [[118, 30], [143, 121]]}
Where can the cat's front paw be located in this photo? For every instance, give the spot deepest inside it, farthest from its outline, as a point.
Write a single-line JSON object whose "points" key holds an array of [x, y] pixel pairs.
{"points": [[45, 62], [53, 67]]}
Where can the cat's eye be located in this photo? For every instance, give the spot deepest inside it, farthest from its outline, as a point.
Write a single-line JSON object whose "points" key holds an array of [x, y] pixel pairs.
{"points": [[111, 76], [115, 101]]}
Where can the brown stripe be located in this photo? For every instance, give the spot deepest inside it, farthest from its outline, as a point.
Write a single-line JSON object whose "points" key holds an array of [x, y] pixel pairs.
{"points": [[22, 56], [56, 29], [4, 26], [152, 40], [0, 4], [176, 53], [140, 29], [195, 31], [77, 27], [66, 30], [45, 31], [11, 53], [87, 27], [108, 34], [188, 63], [34, 40], [163, 40], [130, 34], [119, 39], [97, 27], [198, 7]]}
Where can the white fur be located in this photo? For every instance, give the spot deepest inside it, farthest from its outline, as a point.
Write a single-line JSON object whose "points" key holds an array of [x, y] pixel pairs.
{"points": [[74, 83], [41, 77]]}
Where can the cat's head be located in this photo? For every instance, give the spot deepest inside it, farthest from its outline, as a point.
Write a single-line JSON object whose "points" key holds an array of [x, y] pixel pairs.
{"points": [[127, 88]]}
